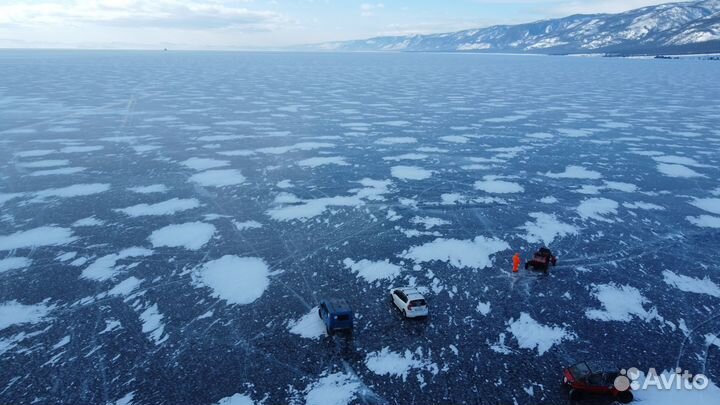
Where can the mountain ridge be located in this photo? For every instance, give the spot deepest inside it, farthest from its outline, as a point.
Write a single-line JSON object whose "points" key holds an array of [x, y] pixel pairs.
{"points": [[683, 27]]}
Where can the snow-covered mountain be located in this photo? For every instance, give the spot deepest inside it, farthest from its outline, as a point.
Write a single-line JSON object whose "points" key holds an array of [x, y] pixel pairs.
{"points": [[687, 27]]}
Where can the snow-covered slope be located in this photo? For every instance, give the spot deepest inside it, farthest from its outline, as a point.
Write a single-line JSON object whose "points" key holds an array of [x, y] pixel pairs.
{"points": [[686, 27]]}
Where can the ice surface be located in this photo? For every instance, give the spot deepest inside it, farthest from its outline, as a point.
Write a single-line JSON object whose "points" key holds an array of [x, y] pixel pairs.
{"points": [[237, 280], [190, 235], [637, 248]]}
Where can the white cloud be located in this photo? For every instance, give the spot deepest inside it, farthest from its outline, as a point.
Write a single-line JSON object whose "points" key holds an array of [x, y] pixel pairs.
{"points": [[188, 14], [369, 9]]}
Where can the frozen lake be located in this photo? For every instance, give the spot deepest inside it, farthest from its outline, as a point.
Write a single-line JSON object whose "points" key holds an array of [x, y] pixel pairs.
{"points": [[171, 220]]}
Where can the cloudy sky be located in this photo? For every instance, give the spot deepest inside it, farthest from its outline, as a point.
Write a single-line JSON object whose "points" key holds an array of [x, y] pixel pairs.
{"points": [[249, 24]]}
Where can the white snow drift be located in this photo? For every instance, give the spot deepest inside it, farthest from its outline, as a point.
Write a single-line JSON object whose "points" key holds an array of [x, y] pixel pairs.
{"points": [[474, 253], [191, 235], [575, 172], [309, 326], [532, 335], [37, 237], [373, 271], [546, 228], [620, 303], [218, 178], [237, 280], [168, 207]]}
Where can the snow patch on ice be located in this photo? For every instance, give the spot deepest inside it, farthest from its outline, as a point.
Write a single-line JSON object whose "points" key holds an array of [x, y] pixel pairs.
{"points": [[323, 161], [575, 172], [237, 280], [237, 399], [620, 303], [711, 205], [490, 184], [15, 313], [410, 173], [373, 271], [333, 389], [125, 287], [679, 171], [277, 150], [14, 263], [89, 221], [105, 267], [530, 334], [429, 222], [37, 237], [395, 364], [200, 164], [77, 190], [153, 188], [309, 326], [218, 178], [705, 221], [289, 207], [546, 228], [168, 207], [190, 235], [152, 324], [691, 284], [597, 208], [474, 253], [395, 140]]}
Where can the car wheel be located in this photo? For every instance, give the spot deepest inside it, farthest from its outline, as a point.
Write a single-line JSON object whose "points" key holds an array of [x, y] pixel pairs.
{"points": [[405, 313], [575, 395], [625, 397], [320, 313], [329, 331]]}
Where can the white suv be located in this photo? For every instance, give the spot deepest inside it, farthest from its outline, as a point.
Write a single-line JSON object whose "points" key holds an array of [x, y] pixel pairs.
{"points": [[409, 301]]}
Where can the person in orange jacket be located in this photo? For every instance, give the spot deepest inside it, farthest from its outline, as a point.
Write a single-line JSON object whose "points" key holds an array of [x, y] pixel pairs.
{"points": [[516, 262]]}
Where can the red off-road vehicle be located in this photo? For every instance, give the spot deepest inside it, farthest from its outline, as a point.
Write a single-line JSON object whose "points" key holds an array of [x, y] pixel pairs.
{"points": [[595, 378], [542, 259]]}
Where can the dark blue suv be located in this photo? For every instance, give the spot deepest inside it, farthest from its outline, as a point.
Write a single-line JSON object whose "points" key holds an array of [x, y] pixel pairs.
{"points": [[337, 315]]}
